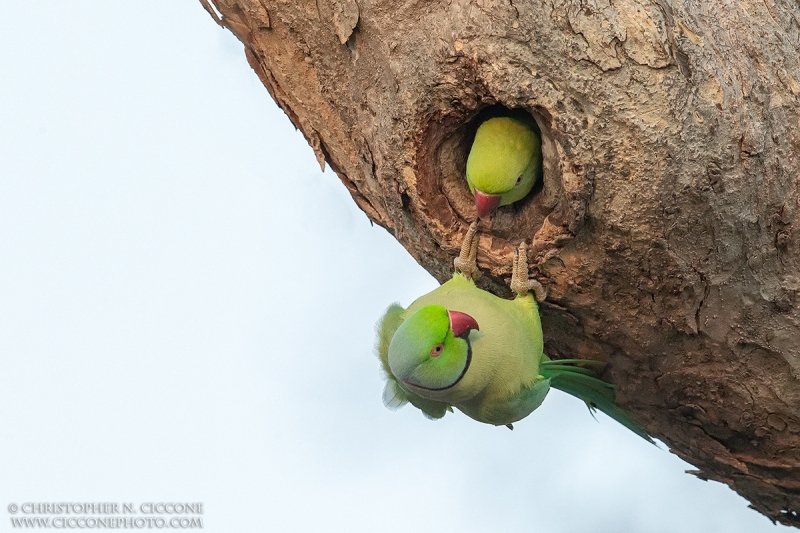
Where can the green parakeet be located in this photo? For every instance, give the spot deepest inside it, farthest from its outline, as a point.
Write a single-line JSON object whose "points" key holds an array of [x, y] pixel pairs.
{"points": [[504, 163], [460, 346]]}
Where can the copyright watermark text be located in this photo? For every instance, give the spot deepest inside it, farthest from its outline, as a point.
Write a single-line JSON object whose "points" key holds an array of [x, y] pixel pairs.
{"points": [[107, 515]]}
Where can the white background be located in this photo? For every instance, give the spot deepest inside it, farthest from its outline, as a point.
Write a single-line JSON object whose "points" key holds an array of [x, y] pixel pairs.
{"points": [[187, 310]]}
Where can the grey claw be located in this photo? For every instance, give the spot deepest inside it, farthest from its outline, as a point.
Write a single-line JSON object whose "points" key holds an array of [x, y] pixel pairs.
{"points": [[466, 262], [520, 283]]}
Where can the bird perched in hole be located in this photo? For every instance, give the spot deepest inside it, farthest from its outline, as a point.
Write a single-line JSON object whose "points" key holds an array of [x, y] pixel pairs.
{"points": [[504, 162], [460, 346]]}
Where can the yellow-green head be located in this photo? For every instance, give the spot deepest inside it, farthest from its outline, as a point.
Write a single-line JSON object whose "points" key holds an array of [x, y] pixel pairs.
{"points": [[430, 350], [504, 163]]}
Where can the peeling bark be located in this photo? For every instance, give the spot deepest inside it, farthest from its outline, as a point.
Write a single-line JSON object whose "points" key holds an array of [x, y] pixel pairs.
{"points": [[666, 227]]}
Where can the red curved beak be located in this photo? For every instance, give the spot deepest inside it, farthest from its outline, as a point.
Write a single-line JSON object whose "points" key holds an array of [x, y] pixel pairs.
{"points": [[461, 323], [485, 203]]}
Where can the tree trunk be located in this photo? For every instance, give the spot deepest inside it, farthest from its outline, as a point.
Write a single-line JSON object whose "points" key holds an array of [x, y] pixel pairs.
{"points": [[666, 226]]}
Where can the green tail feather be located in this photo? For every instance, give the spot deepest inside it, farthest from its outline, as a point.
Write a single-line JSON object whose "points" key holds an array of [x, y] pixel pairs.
{"points": [[583, 383]]}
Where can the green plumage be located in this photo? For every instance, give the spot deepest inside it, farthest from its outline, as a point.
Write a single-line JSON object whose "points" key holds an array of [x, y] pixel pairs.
{"points": [[505, 158], [497, 374], [583, 383]]}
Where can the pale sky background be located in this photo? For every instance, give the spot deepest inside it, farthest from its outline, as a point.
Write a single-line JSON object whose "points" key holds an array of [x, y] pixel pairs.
{"points": [[187, 311]]}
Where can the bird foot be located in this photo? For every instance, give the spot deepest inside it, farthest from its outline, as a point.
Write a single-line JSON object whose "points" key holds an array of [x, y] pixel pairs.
{"points": [[510, 426], [466, 262], [520, 283]]}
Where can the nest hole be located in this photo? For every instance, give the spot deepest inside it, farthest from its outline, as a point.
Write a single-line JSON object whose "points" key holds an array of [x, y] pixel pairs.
{"points": [[449, 141]]}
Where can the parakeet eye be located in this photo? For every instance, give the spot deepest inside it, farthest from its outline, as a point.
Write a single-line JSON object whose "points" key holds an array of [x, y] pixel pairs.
{"points": [[519, 180], [436, 351]]}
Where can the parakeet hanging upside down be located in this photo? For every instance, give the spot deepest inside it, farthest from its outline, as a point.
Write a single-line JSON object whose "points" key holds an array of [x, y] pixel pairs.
{"points": [[504, 163], [460, 346]]}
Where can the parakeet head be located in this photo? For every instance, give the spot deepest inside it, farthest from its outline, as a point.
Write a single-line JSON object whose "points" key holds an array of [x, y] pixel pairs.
{"points": [[430, 349], [503, 164]]}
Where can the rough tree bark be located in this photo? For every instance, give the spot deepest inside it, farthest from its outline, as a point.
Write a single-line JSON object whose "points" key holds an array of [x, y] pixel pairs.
{"points": [[666, 228]]}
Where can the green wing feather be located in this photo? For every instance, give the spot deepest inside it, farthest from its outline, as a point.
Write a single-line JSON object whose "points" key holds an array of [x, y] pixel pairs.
{"points": [[583, 383], [386, 328], [394, 395]]}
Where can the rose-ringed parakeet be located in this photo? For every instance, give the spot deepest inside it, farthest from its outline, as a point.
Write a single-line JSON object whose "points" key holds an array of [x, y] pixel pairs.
{"points": [[504, 162], [460, 346]]}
